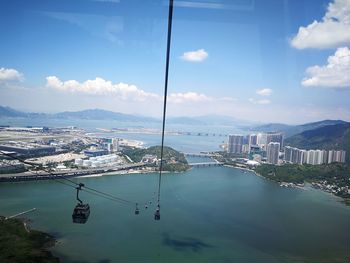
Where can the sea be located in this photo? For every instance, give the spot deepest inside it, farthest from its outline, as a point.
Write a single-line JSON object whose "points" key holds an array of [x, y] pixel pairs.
{"points": [[208, 214]]}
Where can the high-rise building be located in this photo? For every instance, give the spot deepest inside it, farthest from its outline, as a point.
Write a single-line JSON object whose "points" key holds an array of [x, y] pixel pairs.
{"points": [[272, 152], [235, 143], [288, 154], [261, 140], [318, 157], [310, 159], [115, 142], [275, 137], [342, 156], [253, 139], [336, 156], [314, 157], [294, 155]]}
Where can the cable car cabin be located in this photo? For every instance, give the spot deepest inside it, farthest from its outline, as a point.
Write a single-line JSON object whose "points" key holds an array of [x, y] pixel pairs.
{"points": [[157, 214], [81, 213]]}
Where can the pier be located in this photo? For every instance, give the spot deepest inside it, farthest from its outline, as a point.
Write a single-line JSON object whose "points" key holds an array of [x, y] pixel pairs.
{"points": [[22, 213]]}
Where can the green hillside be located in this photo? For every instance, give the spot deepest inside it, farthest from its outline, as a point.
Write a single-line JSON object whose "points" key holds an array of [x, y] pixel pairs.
{"points": [[19, 245], [169, 154], [328, 137], [290, 130]]}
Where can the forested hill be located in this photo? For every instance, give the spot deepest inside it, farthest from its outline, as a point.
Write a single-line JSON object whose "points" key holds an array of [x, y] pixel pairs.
{"points": [[328, 137], [174, 160], [290, 130]]}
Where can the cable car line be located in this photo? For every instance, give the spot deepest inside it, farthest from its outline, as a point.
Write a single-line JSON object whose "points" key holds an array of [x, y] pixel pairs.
{"points": [[82, 211], [170, 19]]}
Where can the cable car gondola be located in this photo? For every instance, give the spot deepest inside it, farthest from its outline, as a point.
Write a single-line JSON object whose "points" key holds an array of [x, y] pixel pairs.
{"points": [[137, 210], [157, 213], [81, 211]]}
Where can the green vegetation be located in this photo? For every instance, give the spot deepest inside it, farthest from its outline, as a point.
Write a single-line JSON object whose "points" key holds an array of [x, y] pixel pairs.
{"points": [[331, 137], [333, 177], [19, 245], [174, 160]]}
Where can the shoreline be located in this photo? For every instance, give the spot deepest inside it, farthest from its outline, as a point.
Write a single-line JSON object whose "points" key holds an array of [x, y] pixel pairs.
{"points": [[33, 245], [293, 185]]}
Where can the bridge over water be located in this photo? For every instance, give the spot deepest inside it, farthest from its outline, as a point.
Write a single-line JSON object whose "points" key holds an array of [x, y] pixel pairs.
{"points": [[198, 154], [205, 164]]}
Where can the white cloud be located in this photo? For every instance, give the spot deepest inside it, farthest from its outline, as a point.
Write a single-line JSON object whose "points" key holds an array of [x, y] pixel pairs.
{"points": [[195, 56], [262, 102], [188, 97], [100, 86], [10, 75], [333, 31], [126, 92], [336, 74], [264, 92]]}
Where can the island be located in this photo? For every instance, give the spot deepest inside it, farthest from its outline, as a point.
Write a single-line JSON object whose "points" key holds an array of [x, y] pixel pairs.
{"points": [[174, 161], [19, 244]]}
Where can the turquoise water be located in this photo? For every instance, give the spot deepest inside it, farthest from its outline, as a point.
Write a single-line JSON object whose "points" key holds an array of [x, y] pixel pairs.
{"points": [[214, 214]]}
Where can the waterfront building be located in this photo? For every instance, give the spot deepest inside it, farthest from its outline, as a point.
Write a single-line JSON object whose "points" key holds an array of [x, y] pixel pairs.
{"points": [[275, 137], [288, 154], [115, 142], [261, 140], [95, 152], [27, 149], [342, 156], [273, 152], [235, 143], [257, 157], [314, 157], [310, 159], [253, 140], [245, 148], [294, 155], [336, 156]]}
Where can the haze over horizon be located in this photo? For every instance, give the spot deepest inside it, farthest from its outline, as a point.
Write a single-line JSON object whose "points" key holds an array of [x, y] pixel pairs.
{"points": [[267, 61]]}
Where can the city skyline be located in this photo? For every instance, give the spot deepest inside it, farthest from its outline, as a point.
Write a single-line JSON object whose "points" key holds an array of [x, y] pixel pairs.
{"points": [[278, 62]]}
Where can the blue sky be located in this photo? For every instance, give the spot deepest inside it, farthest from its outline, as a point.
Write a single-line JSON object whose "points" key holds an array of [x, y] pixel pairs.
{"points": [[263, 60]]}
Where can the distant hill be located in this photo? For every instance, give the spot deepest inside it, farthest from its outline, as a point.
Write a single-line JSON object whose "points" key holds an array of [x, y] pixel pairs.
{"points": [[91, 114], [329, 137], [290, 130], [97, 114], [9, 112], [207, 120], [184, 120]]}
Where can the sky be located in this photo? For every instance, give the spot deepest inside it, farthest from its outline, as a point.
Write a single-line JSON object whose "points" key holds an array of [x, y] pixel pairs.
{"points": [[260, 60]]}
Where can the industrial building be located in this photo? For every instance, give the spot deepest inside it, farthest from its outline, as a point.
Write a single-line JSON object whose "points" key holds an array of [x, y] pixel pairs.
{"points": [[95, 152], [27, 149]]}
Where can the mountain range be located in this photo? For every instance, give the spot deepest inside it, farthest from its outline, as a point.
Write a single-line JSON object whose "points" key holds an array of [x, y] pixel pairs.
{"points": [[326, 134], [290, 130], [329, 137], [98, 114]]}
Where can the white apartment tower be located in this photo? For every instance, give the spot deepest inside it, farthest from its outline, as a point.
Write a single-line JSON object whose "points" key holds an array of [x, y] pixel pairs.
{"points": [[273, 149], [235, 143]]}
